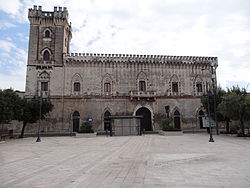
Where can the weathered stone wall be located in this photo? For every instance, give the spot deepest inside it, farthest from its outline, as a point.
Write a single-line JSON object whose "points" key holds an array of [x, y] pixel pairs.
{"points": [[122, 71]]}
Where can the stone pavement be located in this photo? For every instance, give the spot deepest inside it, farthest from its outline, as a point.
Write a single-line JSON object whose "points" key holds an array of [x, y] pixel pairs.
{"points": [[129, 161]]}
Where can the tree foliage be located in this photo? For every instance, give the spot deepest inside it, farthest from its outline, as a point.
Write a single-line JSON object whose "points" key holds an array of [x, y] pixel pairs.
{"points": [[10, 106], [31, 111], [219, 93], [236, 106], [86, 127], [13, 107]]}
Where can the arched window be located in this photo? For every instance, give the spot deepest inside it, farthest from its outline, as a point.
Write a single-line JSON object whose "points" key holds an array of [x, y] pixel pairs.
{"points": [[107, 121], [77, 86], [201, 114], [107, 87], [46, 55], [177, 119], [107, 84], [44, 86], [142, 81], [44, 78], [76, 121], [174, 84], [47, 34], [142, 85], [175, 87], [199, 87]]}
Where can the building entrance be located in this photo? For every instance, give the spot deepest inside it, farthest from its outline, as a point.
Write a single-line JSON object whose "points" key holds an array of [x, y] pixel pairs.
{"points": [[145, 122], [76, 121]]}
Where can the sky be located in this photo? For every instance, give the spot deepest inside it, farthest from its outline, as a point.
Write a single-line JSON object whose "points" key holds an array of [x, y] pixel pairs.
{"points": [[218, 28]]}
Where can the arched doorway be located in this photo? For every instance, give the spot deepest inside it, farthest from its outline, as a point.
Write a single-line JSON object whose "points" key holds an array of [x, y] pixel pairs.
{"points": [[146, 123], [76, 121], [107, 121], [177, 119], [201, 114]]}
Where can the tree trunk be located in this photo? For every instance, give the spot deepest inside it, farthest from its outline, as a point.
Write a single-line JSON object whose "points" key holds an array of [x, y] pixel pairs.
{"points": [[242, 126], [22, 132], [227, 126]]}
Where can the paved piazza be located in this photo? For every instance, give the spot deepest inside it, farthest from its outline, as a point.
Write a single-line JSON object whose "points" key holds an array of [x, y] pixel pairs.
{"points": [[136, 161]]}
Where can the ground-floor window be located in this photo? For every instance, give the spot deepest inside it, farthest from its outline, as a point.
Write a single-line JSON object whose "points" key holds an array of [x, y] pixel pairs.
{"points": [[177, 119], [201, 115]]}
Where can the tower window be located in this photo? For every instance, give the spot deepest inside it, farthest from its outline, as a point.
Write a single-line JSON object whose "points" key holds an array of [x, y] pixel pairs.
{"points": [[47, 34], [77, 86], [46, 55], [142, 86], [44, 86], [107, 87], [199, 87], [175, 87]]}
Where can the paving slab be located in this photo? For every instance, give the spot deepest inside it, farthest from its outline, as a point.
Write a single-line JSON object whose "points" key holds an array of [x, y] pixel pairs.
{"points": [[129, 161]]}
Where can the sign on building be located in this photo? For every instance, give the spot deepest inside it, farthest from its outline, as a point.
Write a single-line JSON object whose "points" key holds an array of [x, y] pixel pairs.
{"points": [[205, 121]]}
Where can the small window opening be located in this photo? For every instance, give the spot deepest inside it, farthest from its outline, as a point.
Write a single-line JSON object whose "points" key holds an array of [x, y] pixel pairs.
{"points": [[107, 87], [46, 55], [199, 87], [77, 86], [44, 86], [175, 87], [142, 86], [47, 34]]}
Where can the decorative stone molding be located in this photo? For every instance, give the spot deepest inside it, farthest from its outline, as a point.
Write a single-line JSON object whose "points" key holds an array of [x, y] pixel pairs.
{"points": [[95, 57]]}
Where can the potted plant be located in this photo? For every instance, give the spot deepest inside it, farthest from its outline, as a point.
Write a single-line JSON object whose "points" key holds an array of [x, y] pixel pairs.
{"points": [[86, 130], [168, 129]]}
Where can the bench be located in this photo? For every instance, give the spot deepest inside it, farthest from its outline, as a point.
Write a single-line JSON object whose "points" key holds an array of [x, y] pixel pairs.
{"points": [[7, 133]]}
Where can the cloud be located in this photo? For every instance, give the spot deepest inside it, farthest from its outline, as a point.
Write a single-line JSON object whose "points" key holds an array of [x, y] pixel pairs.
{"points": [[6, 46], [5, 25], [169, 27], [10, 6], [15, 81]]}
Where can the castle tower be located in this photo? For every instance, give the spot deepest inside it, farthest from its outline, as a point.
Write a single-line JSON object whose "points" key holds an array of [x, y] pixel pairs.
{"points": [[50, 34], [49, 38]]}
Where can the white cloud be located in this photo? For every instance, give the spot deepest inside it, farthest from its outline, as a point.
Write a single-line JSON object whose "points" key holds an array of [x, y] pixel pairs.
{"points": [[170, 27], [10, 6], [6, 46], [15, 81], [5, 25]]}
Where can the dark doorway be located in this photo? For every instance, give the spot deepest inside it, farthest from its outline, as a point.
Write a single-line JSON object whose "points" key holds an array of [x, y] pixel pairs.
{"points": [[107, 121], [145, 122], [177, 119], [201, 114], [76, 121]]}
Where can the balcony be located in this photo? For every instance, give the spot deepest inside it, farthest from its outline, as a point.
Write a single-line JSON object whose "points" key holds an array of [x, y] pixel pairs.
{"points": [[142, 95]]}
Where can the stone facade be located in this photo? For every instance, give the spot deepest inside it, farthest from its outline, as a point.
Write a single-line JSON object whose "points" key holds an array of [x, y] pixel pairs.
{"points": [[81, 85]]}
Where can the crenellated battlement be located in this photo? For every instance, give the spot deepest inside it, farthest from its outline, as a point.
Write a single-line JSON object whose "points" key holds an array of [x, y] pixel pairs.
{"points": [[137, 58], [58, 13]]}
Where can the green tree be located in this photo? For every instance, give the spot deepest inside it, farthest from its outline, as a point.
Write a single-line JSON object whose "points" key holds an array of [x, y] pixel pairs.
{"points": [[236, 106], [31, 112], [10, 106], [219, 93]]}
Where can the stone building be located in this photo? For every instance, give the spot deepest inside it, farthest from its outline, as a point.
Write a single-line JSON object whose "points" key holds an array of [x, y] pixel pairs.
{"points": [[93, 85]]}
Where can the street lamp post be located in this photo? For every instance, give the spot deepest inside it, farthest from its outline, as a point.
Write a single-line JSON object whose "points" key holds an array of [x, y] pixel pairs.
{"points": [[40, 114], [209, 119], [214, 96], [213, 79]]}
